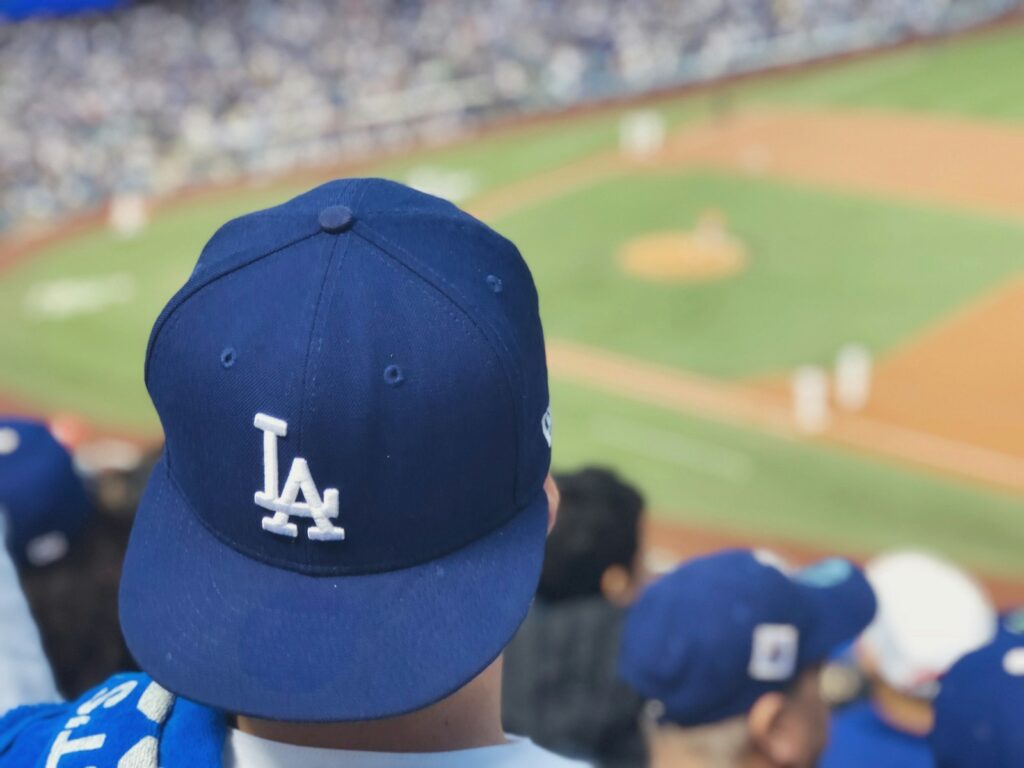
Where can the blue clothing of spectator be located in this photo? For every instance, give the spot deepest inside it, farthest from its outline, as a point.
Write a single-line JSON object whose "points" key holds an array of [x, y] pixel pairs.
{"points": [[859, 737]]}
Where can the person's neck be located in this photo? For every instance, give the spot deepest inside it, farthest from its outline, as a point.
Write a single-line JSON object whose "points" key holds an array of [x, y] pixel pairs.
{"points": [[469, 718], [667, 757], [902, 712], [673, 748]]}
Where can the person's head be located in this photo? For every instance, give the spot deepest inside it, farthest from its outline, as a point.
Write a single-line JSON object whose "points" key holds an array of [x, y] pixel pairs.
{"points": [[117, 473], [979, 710], [930, 613], [68, 553], [782, 728], [44, 505], [730, 646], [348, 519], [74, 598], [595, 547]]}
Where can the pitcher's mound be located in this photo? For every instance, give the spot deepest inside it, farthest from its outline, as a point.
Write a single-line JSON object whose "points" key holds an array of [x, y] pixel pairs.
{"points": [[708, 252]]}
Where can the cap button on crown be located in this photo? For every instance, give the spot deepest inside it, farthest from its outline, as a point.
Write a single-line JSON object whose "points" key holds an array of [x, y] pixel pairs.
{"points": [[335, 219]]}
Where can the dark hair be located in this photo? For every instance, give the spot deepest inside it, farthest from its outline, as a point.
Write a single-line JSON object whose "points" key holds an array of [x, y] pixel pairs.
{"points": [[74, 600], [597, 527]]}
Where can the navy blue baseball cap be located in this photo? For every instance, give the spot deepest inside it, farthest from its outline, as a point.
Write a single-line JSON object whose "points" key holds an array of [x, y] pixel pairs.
{"points": [[348, 518], [43, 502], [979, 712], [713, 636]]}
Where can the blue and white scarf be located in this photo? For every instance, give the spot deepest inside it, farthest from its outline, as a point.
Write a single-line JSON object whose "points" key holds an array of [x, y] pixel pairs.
{"points": [[127, 722]]}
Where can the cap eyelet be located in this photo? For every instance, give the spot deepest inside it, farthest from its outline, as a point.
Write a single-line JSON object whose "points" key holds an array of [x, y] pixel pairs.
{"points": [[393, 375], [495, 284], [228, 357]]}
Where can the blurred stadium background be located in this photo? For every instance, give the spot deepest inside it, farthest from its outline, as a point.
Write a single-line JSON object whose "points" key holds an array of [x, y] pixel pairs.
{"points": [[779, 243]]}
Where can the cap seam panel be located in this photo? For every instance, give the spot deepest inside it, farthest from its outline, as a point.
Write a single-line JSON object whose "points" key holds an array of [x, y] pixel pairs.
{"points": [[169, 317], [313, 331], [309, 344], [500, 349], [452, 216]]}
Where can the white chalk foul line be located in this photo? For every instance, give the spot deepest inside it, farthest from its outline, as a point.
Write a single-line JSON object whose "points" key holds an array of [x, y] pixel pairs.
{"points": [[673, 448], [69, 297], [691, 393]]}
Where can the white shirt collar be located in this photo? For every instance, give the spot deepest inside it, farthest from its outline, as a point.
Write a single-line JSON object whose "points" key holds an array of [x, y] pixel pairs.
{"points": [[243, 750]]}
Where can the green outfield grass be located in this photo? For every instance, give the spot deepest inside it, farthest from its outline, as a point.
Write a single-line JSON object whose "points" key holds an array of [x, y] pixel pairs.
{"points": [[825, 269], [717, 476]]}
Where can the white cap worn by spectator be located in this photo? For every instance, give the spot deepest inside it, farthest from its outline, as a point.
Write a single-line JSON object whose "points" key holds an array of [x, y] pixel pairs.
{"points": [[930, 614]]}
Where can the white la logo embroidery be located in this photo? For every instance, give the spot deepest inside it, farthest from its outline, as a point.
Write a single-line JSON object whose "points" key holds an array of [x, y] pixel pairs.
{"points": [[286, 504]]}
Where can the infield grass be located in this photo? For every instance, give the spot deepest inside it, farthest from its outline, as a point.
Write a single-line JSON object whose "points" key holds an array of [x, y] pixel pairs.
{"points": [[709, 474]]}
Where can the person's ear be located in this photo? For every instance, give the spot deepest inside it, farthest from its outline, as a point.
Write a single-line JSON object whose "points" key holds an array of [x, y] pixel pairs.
{"points": [[866, 659], [617, 585], [769, 732], [553, 499]]}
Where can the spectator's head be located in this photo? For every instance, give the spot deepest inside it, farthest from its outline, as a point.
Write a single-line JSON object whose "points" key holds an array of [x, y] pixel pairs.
{"points": [[595, 547], [74, 599], [117, 473], [729, 647], [930, 613], [42, 498], [980, 708], [348, 519]]}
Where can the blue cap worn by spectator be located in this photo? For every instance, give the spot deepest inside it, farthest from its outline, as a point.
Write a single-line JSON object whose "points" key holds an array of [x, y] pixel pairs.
{"points": [[354, 395], [41, 496], [711, 637], [979, 712], [728, 638], [348, 519]]}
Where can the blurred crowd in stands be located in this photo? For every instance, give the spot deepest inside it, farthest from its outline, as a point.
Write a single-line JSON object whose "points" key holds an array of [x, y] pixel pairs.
{"points": [[158, 96]]}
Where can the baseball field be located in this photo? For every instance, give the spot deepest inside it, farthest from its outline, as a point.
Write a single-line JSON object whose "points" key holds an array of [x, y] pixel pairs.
{"points": [[876, 202]]}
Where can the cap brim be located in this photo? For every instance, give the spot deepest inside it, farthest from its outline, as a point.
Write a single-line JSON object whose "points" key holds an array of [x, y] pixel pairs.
{"points": [[842, 603], [236, 634]]}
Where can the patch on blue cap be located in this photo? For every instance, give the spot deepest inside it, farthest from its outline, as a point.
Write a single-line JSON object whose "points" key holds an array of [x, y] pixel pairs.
{"points": [[825, 574], [1013, 622], [774, 652]]}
